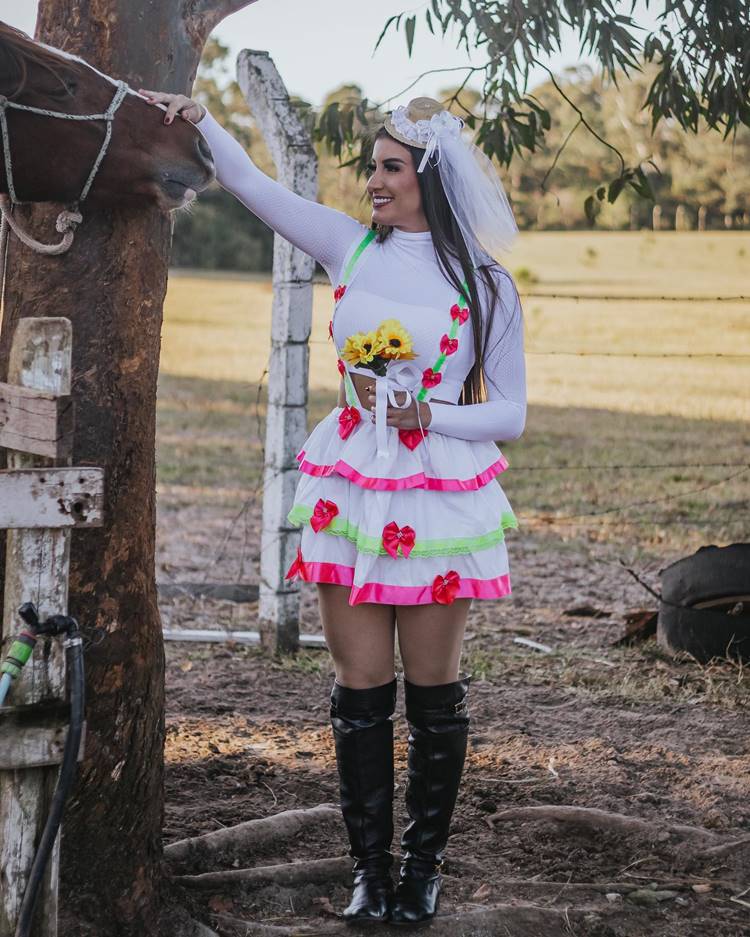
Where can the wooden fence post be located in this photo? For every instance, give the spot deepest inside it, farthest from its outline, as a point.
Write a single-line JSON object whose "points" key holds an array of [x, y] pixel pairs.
{"points": [[291, 317], [41, 502]]}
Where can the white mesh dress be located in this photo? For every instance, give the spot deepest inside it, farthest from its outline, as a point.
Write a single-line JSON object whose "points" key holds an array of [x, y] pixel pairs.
{"points": [[404, 517]]}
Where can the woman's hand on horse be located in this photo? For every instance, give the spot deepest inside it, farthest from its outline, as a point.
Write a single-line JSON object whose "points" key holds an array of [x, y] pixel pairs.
{"points": [[178, 105]]}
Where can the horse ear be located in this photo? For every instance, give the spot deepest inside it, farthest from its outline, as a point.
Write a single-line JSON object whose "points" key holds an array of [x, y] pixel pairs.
{"points": [[12, 70]]}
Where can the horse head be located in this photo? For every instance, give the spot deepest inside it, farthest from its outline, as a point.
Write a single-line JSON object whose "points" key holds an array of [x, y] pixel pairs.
{"points": [[52, 157]]}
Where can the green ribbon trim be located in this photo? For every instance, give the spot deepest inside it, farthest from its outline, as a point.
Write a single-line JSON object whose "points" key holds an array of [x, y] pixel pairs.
{"points": [[440, 361], [356, 255], [349, 391], [458, 546], [351, 394]]}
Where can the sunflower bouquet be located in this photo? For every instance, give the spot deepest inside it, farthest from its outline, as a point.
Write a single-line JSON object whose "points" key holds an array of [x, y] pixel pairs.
{"points": [[375, 350]]}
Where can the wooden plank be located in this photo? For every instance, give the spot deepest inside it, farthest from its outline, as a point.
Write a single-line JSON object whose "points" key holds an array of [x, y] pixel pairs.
{"points": [[37, 564], [209, 636], [51, 498], [36, 422], [33, 737]]}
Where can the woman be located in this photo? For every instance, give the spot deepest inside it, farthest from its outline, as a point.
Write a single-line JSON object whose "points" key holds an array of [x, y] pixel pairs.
{"points": [[401, 524]]}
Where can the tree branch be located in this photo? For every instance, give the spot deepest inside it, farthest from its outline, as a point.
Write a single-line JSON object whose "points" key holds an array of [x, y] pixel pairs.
{"points": [[220, 9]]}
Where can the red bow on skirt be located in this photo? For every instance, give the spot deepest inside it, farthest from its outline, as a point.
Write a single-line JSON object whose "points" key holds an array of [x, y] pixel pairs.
{"points": [[395, 537], [322, 515], [444, 588]]}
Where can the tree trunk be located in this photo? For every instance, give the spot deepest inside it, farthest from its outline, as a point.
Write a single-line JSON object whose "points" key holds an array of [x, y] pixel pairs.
{"points": [[111, 284]]}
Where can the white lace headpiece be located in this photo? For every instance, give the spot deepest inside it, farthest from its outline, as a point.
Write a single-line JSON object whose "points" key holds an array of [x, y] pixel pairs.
{"points": [[471, 183]]}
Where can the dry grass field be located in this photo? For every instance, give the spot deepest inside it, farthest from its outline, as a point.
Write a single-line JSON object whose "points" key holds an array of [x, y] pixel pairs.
{"points": [[627, 458]]}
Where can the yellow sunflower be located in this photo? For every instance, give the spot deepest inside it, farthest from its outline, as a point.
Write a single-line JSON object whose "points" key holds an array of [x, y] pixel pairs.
{"points": [[395, 340], [361, 348]]}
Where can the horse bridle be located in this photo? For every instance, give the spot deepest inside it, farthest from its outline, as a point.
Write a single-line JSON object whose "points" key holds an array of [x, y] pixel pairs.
{"points": [[108, 116], [66, 220]]}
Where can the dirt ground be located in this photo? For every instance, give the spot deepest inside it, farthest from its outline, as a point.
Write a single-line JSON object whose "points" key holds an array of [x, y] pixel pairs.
{"points": [[627, 730]]}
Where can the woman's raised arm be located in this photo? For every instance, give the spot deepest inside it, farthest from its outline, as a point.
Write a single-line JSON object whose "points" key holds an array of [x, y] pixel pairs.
{"points": [[324, 233]]}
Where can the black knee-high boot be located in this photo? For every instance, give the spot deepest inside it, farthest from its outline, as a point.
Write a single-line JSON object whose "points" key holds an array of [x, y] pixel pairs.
{"points": [[363, 736], [438, 730]]}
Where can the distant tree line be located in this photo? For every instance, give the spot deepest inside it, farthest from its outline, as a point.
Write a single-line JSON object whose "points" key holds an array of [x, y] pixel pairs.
{"points": [[698, 180]]}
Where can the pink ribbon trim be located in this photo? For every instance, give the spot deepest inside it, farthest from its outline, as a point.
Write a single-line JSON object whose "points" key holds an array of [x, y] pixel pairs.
{"points": [[333, 573], [338, 575], [420, 480], [422, 595]]}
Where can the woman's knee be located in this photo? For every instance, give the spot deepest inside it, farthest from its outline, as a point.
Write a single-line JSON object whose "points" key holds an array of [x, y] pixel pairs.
{"points": [[432, 673], [359, 675], [360, 639]]}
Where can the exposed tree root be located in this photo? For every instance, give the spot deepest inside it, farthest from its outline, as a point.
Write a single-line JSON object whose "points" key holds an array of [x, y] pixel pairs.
{"points": [[245, 837], [311, 871], [498, 921], [723, 849], [700, 843], [591, 818], [196, 929]]}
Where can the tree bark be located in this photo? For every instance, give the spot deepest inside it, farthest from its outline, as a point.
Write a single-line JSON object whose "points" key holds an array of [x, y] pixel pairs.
{"points": [[111, 284]]}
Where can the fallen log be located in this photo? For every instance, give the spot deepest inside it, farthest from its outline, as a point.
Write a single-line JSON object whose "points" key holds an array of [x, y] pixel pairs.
{"points": [[245, 837]]}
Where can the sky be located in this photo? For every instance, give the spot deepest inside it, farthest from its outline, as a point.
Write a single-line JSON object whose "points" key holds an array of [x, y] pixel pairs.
{"points": [[318, 46]]}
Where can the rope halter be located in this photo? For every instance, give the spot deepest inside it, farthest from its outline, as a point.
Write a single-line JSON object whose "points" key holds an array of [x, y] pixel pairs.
{"points": [[66, 220]]}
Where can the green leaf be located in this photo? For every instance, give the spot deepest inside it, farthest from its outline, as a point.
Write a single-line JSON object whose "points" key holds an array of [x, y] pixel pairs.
{"points": [[392, 19], [615, 187], [589, 206], [410, 25]]}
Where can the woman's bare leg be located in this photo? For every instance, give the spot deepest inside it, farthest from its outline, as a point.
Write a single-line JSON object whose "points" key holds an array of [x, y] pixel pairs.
{"points": [[430, 638], [360, 638]]}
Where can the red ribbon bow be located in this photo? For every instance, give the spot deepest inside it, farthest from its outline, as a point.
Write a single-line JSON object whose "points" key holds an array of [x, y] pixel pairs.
{"points": [[330, 329], [411, 438], [448, 346], [322, 515], [297, 568], [395, 537], [444, 588], [348, 419], [431, 378], [459, 312], [341, 366], [339, 292]]}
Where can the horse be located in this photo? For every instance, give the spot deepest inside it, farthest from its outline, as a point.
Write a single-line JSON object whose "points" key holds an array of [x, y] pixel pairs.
{"points": [[53, 159]]}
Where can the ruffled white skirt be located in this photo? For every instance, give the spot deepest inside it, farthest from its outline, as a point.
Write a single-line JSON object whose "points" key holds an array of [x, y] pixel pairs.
{"points": [[423, 523]]}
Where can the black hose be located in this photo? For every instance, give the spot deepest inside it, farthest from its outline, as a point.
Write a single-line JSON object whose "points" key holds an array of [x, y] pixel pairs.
{"points": [[74, 661]]}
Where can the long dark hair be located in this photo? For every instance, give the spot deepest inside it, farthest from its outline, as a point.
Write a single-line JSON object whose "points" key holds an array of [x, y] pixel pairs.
{"points": [[450, 245]]}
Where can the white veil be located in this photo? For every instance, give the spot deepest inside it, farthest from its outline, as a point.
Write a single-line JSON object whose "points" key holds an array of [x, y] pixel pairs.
{"points": [[471, 183]]}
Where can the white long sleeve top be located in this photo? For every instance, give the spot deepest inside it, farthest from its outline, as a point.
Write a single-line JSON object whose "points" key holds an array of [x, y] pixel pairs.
{"points": [[397, 279]]}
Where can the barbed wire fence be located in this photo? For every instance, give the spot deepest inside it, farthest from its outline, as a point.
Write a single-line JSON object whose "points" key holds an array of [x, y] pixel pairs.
{"points": [[607, 517]]}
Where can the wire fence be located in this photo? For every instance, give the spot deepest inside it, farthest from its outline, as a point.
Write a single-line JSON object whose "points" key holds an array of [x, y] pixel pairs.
{"points": [[611, 354], [599, 297]]}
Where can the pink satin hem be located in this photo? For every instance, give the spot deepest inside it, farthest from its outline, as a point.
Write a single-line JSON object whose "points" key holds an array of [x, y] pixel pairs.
{"points": [[383, 594], [420, 480]]}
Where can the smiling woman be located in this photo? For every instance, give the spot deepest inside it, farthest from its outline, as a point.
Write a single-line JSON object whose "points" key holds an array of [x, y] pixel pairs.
{"points": [[108, 144], [403, 523]]}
